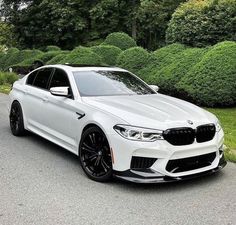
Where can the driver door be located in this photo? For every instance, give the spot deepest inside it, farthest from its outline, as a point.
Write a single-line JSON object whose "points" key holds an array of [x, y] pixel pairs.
{"points": [[60, 113]]}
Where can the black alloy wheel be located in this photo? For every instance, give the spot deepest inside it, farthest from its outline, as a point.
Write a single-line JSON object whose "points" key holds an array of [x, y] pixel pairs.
{"points": [[95, 155], [16, 120]]}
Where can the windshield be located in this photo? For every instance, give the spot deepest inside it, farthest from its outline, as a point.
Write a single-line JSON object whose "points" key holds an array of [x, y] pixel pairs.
{"points": [[110, 83]]}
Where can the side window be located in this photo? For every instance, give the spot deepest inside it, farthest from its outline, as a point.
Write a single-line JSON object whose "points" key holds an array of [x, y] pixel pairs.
{"points": [[31, 78], [59, 79], [42, 78]]}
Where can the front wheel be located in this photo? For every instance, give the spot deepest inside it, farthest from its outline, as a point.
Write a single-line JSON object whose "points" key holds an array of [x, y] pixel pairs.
{"points": [[95, 155]]}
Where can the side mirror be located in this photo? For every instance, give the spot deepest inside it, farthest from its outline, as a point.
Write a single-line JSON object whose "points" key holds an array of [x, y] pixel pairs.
{"points": [[60, 91], [154, 88]]}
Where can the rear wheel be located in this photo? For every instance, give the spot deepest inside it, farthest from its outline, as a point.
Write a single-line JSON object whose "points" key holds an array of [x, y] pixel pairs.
{"points": [[95, 155], [16, 120]]}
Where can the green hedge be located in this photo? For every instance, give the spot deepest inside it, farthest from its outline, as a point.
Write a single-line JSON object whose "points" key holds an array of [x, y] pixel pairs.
{"points": [[120, 40], [108, 53], [202, 23], [212, 81], [58, 58], [15, 57], [83, 56], [133, 59], [6, 59], [8, 78], [160, 59], [168, 75], [52, 48]]}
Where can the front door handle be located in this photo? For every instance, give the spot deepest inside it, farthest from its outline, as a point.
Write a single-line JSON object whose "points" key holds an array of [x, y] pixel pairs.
{"points": [[45, 99]]}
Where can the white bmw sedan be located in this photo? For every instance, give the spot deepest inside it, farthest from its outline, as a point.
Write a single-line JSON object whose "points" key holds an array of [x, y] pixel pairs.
{"points": [[117, 124]]}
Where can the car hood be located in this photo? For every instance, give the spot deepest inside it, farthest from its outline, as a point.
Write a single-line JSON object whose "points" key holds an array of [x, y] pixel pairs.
{"points": [[153, 111]]}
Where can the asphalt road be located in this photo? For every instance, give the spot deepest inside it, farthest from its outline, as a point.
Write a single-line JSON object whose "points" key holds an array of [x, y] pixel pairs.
{"points": [[42, 184]]}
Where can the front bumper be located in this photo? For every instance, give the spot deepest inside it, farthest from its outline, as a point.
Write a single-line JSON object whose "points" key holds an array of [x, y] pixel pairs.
{"points": [[151, 176]]}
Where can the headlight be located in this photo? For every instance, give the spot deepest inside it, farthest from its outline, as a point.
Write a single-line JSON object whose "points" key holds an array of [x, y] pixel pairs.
{"points": [[138, 133], [218, 126]]}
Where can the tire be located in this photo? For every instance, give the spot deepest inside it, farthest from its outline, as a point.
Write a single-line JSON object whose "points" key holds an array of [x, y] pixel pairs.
{"points": [[16, 120], [95, 155]]}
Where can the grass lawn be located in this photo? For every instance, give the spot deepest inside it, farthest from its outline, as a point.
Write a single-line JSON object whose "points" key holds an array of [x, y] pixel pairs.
{"points": [[227, 118], [5, 88]]}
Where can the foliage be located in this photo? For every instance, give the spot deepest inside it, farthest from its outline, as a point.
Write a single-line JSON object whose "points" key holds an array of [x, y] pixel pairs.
{"points": [[108, 53], [79, 55], [5, 88], [168, 75], [227, 119], [160, 58], [95, 42], [4, 57], [212, 81], [120, 40], [7, 37], [75, 22], [3, 49], [152, 19], [133, 59], [7, 78], [57, 59], [83, 56], [14, 56], [204, 22], [52, 48]]}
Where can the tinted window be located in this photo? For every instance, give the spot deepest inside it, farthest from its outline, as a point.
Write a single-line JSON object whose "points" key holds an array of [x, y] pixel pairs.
{"points": [[31, 78], [42, 78], [59, 79], [107, 83]]}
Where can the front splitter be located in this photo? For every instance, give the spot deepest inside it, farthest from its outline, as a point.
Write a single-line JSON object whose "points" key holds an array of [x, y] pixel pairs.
{"points": [[149, 176]]}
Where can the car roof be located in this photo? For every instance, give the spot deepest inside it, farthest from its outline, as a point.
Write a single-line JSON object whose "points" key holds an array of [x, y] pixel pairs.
{"points": [[75, 68]]}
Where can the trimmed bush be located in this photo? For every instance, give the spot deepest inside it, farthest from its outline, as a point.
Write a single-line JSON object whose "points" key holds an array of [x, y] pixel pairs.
{"points": [[52, 48], [82, 56], [202, 23], [12, 50], [17, 57], [94, 43], [57, 59], [169, 75], [160, 59], [108, 53], [8, 78], [44, 58], [120, 40], [4, 57], [133, 59], [212, 81]]}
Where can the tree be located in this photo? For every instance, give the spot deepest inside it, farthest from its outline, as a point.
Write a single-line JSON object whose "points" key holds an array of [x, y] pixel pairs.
{"points": [[152, 18], [6, 34], [70, 23], [202, 23]]}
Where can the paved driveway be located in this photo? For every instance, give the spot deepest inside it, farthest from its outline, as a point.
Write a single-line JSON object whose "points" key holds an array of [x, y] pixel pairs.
{"points": [[42, 184]]}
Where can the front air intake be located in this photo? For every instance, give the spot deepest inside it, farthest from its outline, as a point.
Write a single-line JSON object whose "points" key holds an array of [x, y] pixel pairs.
{"points": [[191, 163], [142, 162]]}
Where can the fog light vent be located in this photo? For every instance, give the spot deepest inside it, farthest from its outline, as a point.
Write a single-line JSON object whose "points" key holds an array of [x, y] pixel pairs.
{"points": [[142, 162]]}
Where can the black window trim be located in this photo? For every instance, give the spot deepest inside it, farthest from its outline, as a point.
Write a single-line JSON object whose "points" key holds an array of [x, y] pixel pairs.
{"points": [[50, 79]]}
